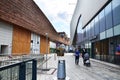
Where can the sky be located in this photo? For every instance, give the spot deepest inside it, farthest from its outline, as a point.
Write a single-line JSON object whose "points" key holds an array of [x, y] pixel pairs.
{"points": [[59, 13]]}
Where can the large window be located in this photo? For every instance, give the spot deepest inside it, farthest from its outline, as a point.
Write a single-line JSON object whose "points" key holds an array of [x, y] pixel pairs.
{"points": [[102, 20], [108, 14], [116, 12], [79, 28], [87, 31], [79, 32], [84, 34], [117, 30], [97, 28], [92, 28]]}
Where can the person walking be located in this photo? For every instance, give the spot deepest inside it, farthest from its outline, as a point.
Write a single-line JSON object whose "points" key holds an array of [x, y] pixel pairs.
{"points": [[83, 53], [77, 55], [118, 50]]}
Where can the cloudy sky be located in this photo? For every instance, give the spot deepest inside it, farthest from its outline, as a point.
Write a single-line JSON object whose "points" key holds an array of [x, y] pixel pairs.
{"points": [[59, 12]]}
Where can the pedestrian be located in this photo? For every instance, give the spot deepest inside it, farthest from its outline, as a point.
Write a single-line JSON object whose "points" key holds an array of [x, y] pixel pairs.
{"points": [[118, 50], [83, 53], [117, 56], [77, 55]]}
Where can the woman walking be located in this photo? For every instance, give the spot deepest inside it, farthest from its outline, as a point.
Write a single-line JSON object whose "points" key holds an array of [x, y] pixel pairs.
{"points": [[77, 55]]}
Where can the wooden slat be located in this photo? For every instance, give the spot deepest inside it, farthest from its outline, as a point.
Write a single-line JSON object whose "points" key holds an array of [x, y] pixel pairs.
{"points": [[43, 45], [21, 41]]}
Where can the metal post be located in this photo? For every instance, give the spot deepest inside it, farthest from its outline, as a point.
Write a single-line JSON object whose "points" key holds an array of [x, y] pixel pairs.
{"points": [[34, 70], [22, 71], [46, 48]]}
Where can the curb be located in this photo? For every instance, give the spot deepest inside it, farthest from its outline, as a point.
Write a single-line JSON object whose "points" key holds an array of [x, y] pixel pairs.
{"points": [[106, 63]]}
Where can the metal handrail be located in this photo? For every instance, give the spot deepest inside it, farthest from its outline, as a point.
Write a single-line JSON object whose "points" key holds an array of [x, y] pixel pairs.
{"points": [[14, 64]]}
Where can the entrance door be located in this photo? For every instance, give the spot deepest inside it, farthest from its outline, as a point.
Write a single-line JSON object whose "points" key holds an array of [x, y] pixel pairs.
{"points": [[105, 49], [35, 43]]}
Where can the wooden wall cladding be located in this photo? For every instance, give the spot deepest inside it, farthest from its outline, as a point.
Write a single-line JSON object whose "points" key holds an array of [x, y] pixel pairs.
{"points": [[43, 45], [27, 14], [21, 41]]}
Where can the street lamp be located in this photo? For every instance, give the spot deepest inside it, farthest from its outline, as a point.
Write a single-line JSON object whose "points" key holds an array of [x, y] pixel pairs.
{"points": [[46, 47]]}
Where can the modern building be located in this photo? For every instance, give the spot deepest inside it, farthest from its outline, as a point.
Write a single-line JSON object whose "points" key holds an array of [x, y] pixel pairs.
{"points": [[64, 37], [23, 28], [96, 26]]}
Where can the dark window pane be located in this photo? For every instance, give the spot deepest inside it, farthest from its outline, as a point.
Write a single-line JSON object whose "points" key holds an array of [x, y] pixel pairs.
{"points": [[102, 20], [96, 25], [90, 34], [92, 28], [108, 14], [79, 28], [79, 32], [102, 25], [87, 31], [84, 35], [116, 12]]}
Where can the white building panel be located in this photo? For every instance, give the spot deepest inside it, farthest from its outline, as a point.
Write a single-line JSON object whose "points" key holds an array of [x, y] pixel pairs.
{"points": [[35, 43], [52, 45], [6, 31]]}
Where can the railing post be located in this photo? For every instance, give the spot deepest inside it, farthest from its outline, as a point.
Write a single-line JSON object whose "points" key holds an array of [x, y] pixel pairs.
{"points": [[22, 71], [34, 70]]}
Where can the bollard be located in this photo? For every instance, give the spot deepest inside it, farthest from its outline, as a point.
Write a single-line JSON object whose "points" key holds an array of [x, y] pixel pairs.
{"points": [[61, 73]]}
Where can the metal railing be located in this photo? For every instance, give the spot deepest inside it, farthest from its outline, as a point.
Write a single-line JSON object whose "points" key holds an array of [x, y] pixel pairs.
{"points": [[8, 59], [24, 70], [19, 67]]}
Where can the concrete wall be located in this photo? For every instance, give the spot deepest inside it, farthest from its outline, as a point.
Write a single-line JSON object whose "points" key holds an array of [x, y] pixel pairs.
{"points": [[6, 31]]}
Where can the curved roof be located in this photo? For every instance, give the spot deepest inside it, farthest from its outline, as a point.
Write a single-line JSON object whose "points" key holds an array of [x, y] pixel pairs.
{"points": [[85, 10]]}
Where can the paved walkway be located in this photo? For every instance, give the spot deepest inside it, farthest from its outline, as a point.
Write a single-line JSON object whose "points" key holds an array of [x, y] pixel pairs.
{"points": [[97, 71]]}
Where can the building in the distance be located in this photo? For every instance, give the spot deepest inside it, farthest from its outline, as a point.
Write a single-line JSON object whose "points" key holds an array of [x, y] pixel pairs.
{"points": [[96, 26], [23, 28], [65, 38]]}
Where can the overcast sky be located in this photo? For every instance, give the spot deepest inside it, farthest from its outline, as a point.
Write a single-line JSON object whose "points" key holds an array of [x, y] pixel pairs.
{"points": [[59, 13]]}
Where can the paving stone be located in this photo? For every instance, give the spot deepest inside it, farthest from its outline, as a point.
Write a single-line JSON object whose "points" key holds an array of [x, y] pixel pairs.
{"points": [[97, 71]]}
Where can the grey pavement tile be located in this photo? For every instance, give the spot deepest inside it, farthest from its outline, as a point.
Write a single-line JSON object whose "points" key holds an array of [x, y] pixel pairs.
{"points": [[97, 71]]}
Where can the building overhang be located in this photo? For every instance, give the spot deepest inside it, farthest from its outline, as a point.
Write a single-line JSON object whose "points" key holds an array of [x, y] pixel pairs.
{"points": [[87, 9]]}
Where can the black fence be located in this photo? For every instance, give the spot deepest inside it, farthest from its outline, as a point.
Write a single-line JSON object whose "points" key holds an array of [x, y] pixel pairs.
{"points": [[24, 70]]}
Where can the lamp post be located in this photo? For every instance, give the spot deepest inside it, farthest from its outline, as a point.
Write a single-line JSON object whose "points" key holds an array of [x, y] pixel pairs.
{"points": [[46, 47]]}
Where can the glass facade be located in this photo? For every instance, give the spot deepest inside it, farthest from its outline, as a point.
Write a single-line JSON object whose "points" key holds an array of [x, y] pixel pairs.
{"points": [[97, 25], [103, 31], [116, 11], [102, 20], [108, 16], [92, 28]]}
